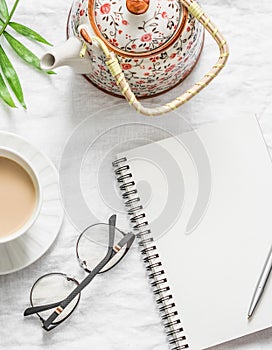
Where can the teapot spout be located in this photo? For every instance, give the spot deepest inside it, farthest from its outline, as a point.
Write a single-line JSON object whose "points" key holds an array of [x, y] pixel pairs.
{"points": [[67, 54]]}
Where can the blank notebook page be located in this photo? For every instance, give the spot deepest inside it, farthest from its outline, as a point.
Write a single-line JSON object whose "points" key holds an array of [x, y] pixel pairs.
{"points": [[213, 268]]}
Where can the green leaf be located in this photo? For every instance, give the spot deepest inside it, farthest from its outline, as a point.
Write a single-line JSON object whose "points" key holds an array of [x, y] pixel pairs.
{"points": [[4, 9], [4, 93], [27, 32], [23, 52], [11, 76]]}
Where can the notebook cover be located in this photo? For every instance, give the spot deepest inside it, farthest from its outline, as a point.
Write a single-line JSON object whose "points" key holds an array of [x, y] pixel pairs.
{"points": [[212, 248]]}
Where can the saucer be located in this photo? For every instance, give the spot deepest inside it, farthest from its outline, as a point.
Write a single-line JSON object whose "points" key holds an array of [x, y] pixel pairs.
{"points": [[24, 250]]}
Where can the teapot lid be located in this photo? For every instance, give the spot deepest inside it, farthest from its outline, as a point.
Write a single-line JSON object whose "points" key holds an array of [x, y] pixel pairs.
{"points": [[137, 27]]}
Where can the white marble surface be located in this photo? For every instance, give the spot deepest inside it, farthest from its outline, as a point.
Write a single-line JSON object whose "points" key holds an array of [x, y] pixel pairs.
{"points": [[117, 311]]}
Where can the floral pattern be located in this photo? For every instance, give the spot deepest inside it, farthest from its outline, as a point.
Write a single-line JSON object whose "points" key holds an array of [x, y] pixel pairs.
{"points": [[145, 33], [150, 75], [105, 9]]}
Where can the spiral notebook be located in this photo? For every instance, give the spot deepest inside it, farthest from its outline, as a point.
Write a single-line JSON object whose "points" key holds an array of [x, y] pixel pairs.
{"points": [[200, 205]]}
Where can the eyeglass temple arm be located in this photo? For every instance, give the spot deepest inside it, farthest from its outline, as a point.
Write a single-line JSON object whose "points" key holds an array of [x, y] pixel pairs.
{"points": [[76, 291], [34, 309], [126, 240], [112, 223]]}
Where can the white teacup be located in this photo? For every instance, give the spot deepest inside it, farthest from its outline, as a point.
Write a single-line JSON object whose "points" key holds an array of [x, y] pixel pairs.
{"points": [[20, 195]]}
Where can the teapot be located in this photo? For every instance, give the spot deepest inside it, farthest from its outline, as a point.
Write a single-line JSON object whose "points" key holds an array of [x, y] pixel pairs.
{"points": [[137, 48]]}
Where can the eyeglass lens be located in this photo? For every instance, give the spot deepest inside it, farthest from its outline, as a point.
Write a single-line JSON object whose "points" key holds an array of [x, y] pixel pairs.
{"points": [[52, 288], [92, 247]]}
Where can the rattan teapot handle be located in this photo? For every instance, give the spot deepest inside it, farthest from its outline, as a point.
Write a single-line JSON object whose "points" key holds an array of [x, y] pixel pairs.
{"points": [[116, 70]]}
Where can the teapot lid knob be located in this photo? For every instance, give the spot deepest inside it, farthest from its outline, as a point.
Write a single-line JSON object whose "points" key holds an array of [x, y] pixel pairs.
{"points": [[137, 7]]}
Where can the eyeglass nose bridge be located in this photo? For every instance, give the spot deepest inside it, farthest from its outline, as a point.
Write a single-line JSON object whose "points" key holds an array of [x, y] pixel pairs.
{"points": [[82, 263]]}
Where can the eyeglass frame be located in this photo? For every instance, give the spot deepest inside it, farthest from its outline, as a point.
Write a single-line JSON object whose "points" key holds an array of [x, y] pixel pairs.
{"points": [[59, 306]]}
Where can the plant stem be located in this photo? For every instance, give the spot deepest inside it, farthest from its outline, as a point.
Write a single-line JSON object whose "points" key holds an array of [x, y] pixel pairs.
{"points": [[9, 17]]}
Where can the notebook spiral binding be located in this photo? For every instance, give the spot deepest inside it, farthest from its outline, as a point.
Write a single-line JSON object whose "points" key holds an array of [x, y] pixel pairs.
{"points": [[151, 258]]}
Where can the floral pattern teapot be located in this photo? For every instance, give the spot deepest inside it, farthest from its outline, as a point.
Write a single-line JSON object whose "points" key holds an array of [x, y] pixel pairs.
{"points": [[137, 48]]}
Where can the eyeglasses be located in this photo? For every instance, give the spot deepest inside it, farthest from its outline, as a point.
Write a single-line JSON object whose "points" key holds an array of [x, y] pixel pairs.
{"points": [[97, 252]]}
